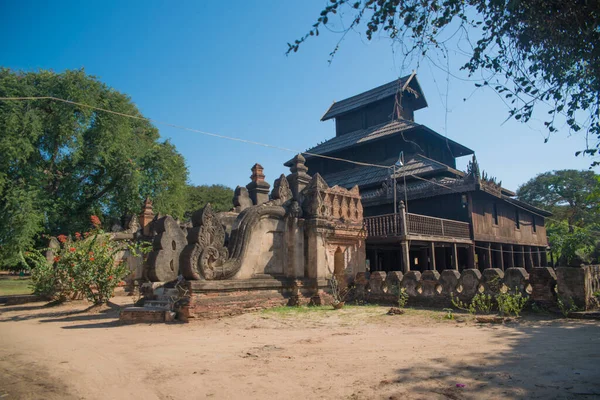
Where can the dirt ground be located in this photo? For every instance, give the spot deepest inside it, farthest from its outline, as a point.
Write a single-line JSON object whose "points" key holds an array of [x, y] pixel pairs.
{"points": [[65, 352]]}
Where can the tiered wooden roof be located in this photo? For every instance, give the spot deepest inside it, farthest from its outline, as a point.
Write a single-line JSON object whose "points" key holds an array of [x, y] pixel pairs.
{"points": [[376, 94]]}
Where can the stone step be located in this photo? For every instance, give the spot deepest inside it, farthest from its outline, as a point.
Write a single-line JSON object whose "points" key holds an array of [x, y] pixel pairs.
{"points": [[170, 292], [166, 298], [133, 315], [157, 304]]}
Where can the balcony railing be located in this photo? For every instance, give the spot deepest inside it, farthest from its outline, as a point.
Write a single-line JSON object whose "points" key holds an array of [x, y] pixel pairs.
{"points": [[392, 225]]}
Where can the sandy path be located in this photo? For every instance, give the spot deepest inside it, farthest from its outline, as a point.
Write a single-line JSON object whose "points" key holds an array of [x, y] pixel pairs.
{"points": [[357, 353]]}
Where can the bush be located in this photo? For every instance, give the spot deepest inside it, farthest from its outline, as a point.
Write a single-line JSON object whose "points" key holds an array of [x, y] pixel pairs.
{"points": [[456, 302], [511, 303], [402, 297], [566, 306], [483, 302], [85, 265]]}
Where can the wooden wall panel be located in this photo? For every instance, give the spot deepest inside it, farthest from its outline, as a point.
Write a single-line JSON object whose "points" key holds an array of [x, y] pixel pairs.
{"points": [[486, 230]]}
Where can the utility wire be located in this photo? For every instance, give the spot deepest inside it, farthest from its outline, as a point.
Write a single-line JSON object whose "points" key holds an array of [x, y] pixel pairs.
{"points": [[25, 98]]}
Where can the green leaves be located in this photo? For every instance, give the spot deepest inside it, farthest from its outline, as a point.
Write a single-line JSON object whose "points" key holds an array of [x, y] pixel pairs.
{"points": [[63, 162], [220, 198], [537, 52]]}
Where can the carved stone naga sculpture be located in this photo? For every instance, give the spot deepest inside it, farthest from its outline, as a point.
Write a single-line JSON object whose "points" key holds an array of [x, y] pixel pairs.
{"points": [[206, 257]]}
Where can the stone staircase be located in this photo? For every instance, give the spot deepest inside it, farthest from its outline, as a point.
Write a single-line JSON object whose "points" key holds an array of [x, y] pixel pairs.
{"points": [[158, 310]]}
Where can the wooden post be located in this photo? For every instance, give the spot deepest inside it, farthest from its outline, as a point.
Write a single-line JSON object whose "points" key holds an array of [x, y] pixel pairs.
{"points": [[405, 256], [489, 263], [471, 256], [454, 256], [442, 262], [423, 259], [538, 260], [501, 257], [376, 266], [529, 259], [520, 256], [511, 256], [402, 216], [432, 265]]}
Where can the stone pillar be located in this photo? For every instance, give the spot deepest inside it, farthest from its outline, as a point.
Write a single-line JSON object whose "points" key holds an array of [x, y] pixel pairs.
{"points": [[146, 217], [295, 249], [454, 257], [298, 179], [405, 256], [432, 264], [258, 189], [316, 263]]}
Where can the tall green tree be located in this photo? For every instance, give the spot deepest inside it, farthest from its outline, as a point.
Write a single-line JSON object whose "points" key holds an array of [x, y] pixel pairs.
{"points": [[568, 194], [61, 162], [572, 196], [219, 196], [532, 52]]}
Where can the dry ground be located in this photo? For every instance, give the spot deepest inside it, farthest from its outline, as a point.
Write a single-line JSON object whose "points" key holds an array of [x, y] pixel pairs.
{"points": [[64, 352]]}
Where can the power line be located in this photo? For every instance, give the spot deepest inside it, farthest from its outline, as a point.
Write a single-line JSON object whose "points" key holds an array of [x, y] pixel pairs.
{"points": [[192, 129], [25, 98]]}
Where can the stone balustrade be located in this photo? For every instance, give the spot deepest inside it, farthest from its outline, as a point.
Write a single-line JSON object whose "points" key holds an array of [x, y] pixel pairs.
{"points": [[434, 289]]}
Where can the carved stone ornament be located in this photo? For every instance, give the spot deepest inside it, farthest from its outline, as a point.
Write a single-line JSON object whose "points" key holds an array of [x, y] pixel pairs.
{"points": [[241, 199], [169, 241], [281, 190], [205, 251]]}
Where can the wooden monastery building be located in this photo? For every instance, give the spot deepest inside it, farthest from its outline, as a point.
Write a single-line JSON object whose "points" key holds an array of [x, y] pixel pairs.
{"points": [[421, 213]]}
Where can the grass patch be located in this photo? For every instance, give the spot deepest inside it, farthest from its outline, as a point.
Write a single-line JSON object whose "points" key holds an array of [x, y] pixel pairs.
{"points": [[285, 310], [321, 310], [15, 286]]}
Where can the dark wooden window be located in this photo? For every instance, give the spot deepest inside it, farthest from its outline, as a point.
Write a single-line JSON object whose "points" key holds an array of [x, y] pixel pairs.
{"points": [[495, 213], [517, 221], [533, 225]]}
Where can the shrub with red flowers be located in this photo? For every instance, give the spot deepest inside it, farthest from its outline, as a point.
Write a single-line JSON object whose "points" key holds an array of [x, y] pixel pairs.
{"points": [[88, 265]]}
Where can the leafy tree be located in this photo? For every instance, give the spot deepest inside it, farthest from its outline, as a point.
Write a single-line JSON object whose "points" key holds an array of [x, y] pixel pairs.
{"points": [[573, 247], [574, 230], [532, 52], [568, 194], [219, 196], [62, 162]]}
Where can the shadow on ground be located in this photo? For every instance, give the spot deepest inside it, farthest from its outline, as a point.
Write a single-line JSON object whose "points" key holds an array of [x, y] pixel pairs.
{"points": [[547, 360]]}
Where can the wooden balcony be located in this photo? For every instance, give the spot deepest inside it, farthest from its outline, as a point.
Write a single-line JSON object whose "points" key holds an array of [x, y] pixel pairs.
{"points": [[415, 226]]}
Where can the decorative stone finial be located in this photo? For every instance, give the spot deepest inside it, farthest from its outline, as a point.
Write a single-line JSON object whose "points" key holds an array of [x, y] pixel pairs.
{"points": [[298, 179], [257, 173], [258, 189], [146, 217]]}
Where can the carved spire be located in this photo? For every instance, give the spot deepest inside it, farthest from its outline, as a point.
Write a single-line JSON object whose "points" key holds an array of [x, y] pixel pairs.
{"points": [[257, 173], [258, 189], [298, 179], [146, 217]]}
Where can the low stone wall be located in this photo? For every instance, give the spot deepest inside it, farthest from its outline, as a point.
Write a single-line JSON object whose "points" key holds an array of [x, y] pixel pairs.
{"points": [[580, 284], [434, 289], [212, 299]]}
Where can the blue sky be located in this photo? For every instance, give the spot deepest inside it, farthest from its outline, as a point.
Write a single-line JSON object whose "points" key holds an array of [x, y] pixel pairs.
{"points": [[221, 67]]}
